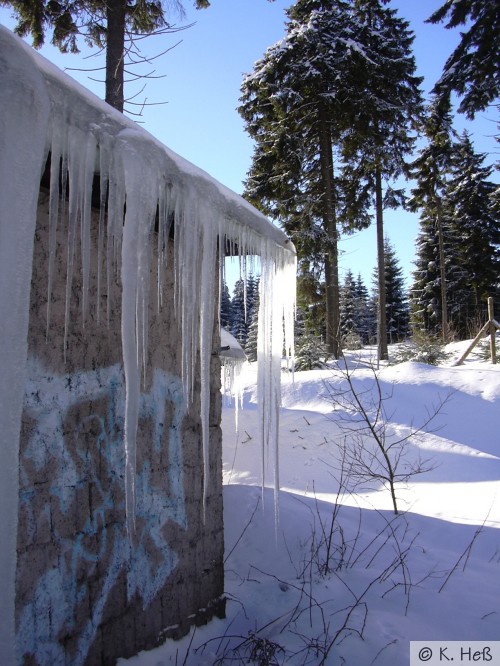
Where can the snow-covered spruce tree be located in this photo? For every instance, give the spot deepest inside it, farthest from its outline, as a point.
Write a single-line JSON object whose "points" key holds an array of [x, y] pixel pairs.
{"points": [[349, 326], [226, 307], [295, 105], [457, 248], [239, 326], [425, 293], [430, 170], [112, 25], [365, 315], [435, 264], [252, 296], [310, 302], [310, 352], [472, 70], [388, 107], [244, 303], [475, 233], [396, 300], [397, 303], [253, 318], [347, 298], [251, 343], [299, 326]]}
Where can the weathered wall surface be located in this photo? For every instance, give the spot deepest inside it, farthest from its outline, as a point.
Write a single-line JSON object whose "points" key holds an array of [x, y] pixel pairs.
{"points": [[85, 593]]}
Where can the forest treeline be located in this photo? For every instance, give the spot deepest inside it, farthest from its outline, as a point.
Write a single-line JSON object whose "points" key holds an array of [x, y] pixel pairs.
{"points": [[358, 313]]}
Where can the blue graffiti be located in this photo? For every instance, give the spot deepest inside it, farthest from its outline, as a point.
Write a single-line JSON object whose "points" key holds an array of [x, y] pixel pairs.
{"points": [[61, 593]]}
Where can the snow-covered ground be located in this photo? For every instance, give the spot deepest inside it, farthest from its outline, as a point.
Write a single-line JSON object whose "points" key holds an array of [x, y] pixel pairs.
{"points": [[430, 573]]}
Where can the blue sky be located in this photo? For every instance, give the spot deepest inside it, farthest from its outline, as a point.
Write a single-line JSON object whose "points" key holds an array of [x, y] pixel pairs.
{"points": [[201, 85]]}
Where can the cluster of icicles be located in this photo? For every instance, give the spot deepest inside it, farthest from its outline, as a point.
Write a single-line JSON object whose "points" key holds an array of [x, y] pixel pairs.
{"points": [[139, 176], [44, 111]]}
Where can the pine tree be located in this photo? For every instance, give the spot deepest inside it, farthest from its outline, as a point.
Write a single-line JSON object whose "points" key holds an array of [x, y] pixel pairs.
{"points": [[472, 70], [226, 307], [475, 230], [397, 308], [310, 352], [252, 318], [311, 302], [107, 24], [295, 106], [245, 303], [462, 252], [342, 82], [365, 315], [387, 111], [426, 289], [239, 321], [252, 296], [430, 170], [359, 311], [251, 343], [348, 323]]}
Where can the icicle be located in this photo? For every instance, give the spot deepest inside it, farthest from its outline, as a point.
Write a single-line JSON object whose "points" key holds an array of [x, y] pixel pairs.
{"points": [[163, 236], [188, 254], [103, 195], [276, 313], [196, 234], [232, 369], [207, 302], [75, 142], [24, 127], [56, 151], [231, 366], [130, 365], [116, 207], [85, 213], [141, 198]]}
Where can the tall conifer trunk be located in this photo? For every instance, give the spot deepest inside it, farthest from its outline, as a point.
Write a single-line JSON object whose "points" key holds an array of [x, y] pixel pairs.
{"points": [[383, 353], [115, 48], [442, 272], [330, 228]]}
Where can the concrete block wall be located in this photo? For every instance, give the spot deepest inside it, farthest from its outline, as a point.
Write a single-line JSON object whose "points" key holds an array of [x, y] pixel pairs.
{"points": [[85, 592]]}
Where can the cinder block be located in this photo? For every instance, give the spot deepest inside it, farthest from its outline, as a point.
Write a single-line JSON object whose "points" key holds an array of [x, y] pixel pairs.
{"points": [[72, 522]]}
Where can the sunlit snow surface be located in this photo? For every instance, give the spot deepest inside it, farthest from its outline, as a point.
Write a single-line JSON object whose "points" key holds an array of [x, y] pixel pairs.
{"points": [[42, 111], [448, 531]]}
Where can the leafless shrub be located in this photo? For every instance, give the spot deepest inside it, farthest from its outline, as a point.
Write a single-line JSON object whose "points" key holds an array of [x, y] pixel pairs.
{"points": [[371, 451]]}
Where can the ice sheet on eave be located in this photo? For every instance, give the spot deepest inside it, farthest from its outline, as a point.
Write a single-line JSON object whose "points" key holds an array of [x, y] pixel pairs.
{"points": [[90, 113]]}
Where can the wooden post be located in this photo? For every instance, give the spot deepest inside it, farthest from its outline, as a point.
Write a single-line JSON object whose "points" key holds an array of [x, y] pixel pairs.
{"points": [[478, 337], [491, 327], [493, 330]]}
